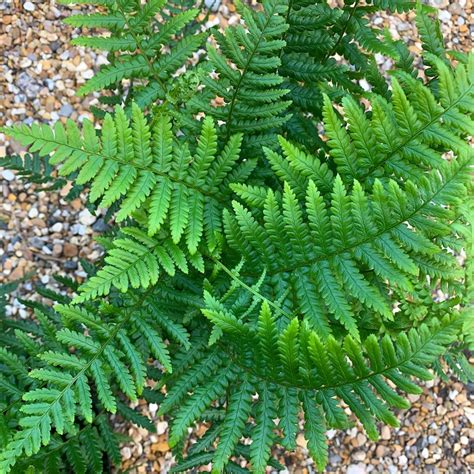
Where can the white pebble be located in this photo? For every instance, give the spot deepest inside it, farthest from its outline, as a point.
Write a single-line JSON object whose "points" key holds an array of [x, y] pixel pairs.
{"points": [[161, 427], [45, 279], [29, 6], [86, 218], [153, 407], [402, 460], [444, 16], [58, 227], [8, 175], [33, 212], [356, 469], [359, 456]]}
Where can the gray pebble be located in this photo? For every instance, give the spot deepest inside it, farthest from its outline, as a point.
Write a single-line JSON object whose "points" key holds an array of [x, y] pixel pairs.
{"points": [[36, 242], [70, 265], [66, 110], [100, 226]]}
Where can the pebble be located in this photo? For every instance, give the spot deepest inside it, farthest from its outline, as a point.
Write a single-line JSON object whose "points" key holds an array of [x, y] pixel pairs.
{"points": [[86, 218], [29, 6], [58, 227], [66, 110], [70, 250], [78, 229], [8, 175], [359, 456], [33, 212], [356, 469], [213, 5]]}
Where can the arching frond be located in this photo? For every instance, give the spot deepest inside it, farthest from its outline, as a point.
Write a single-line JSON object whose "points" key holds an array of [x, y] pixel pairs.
{"points": [[142, 166]]}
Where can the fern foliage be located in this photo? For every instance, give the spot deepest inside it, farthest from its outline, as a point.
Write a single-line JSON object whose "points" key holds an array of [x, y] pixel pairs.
{"points": [[281, 236], [140, 165], [82, 352], [135, 44], [247, 61], [292, 368]]}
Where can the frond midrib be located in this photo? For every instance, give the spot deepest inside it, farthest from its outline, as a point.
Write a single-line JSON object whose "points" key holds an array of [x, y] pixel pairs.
{"points": [[244, 72], [355, 381], [80, 373], [150, 169], [413, 137], [373, 237]]}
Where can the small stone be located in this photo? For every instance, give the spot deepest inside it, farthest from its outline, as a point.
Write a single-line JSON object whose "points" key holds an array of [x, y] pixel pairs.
{"points": [[213, 5], [432, 439], [126, 453], [33, 212], [469, 458], [153, 407], [380, 451], [356, 469], [161, 447], [29, 6], [86, 218], [358, 456], [70, 265], [36, 243], [8, 175], [444, 16], [301, 441], [386, 433], [161, 427], [70, 250], [100, 226], [66, 110], [78, 229], [58, 227], [402, 460], [57, 250]]}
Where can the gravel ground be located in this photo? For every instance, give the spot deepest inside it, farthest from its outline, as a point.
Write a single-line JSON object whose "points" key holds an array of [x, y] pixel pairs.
{"points": [[42, 233]]}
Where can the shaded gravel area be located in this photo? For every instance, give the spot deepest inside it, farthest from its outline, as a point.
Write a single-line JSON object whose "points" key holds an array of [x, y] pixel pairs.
{"points": [[42, 233]]}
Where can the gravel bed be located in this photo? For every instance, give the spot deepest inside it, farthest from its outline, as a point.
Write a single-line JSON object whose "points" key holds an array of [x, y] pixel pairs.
{"points": [[43, 234]]}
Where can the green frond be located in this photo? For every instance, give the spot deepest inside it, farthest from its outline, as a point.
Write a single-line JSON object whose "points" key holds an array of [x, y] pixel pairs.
{"points": [[136, 37], [247, 61], [359, 375], [138, 165], [385, 229], [66, 379]]}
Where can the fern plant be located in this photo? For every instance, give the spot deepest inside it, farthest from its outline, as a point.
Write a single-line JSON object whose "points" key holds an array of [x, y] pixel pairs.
{"points": [[279, 236]]}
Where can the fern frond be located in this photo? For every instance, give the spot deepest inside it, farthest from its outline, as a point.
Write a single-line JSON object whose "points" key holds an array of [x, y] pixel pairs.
{"points": [[136, 39], [326, 373], [408, 135], [247, 61], [66, 379], [388, 230], [138, 165]]}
